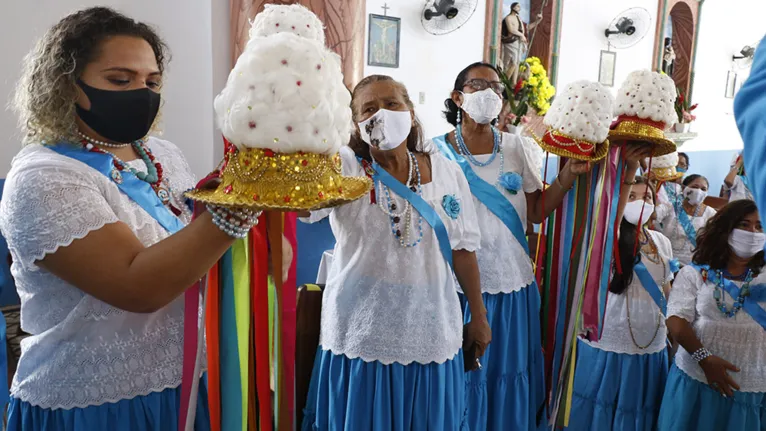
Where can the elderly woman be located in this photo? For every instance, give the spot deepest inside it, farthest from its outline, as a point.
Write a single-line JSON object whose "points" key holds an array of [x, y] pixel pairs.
{"points": [[509, 391], [391, 336], [716, 313], [102, 240], [683, 214]]}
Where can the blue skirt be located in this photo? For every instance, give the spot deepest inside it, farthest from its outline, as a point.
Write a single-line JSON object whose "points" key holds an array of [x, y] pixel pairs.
{"points": [[508, 392], [692, 405], [157, 411], [351, 394], [617, 391]]}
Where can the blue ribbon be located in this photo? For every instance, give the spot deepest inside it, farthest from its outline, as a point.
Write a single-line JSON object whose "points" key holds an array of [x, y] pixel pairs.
{"points": [[651, 287], [138, 191], [686, 223], [487, 194], [422, 207], [750, 303], [231, 383], [606, 265]]}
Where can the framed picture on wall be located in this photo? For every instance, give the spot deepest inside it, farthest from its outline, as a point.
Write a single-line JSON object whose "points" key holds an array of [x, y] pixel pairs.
{"points": [[383, 44], [606, 68]]}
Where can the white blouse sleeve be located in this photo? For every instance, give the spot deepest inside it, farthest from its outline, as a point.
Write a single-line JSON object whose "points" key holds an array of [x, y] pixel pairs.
{"points": [[467, 235], [533, 165], [350, 167], [683, 296], [47, 205], [708, 214]]}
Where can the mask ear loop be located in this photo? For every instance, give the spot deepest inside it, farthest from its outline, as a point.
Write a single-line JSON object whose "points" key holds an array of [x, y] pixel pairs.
{"points": [[641, 215]]}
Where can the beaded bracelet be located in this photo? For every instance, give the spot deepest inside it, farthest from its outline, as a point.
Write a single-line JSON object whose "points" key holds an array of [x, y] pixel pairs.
{"points": [[235, 223], [700, 354]]}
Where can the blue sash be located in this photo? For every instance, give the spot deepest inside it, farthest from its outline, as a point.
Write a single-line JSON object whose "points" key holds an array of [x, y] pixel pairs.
{"points": [[421, 206], [651, 287], [750, 303], [487, 194], [138, 191], [686, 223]]}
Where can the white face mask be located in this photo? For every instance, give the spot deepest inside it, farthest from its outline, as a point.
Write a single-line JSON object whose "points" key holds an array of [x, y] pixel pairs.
{"points": [[695, 196], [633, 212], [482, 106], [386, 129], [746, 244]]}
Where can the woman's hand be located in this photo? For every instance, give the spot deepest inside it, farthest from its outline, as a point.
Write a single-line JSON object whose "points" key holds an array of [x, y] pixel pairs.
{"points": [[634, 154], [477, 333], [718, 378]]}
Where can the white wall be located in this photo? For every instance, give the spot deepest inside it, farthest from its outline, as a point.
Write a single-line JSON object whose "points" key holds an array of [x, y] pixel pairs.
{"points": [[582, 39], [428, 63], [743, 23], [196, 72]]}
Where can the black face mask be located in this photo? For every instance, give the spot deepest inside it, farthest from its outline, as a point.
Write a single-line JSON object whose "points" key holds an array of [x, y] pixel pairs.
{"points": [[120, 116]]}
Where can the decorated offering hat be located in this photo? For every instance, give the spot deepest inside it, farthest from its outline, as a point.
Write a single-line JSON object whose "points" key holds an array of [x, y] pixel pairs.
{"points": [[285, 112], [663, 168], [645, 109], [578, 122]]}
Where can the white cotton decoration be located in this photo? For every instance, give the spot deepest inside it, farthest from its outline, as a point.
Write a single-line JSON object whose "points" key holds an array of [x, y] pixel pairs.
{"points": [[666, 161], [648, 95], [293, 18], [286, 93], [582, 111]]}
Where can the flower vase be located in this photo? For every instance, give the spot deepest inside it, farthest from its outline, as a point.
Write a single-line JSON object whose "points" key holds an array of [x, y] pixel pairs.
{"points": [[515, 130], [681, 127]]}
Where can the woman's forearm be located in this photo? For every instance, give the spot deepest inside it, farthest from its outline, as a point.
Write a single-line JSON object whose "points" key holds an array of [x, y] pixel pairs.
{"points": [[554, 195], [190, 253], [729, 180], [112, 265], [467, 273], [683, 334]]}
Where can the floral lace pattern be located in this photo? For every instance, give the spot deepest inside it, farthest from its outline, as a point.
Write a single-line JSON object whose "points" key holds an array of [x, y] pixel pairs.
{"points": [[739, 340], [644, 313], [82, 351], [388, 303]]}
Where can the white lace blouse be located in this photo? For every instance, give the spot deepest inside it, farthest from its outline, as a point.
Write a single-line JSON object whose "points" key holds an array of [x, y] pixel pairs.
{"points": [[739, 190], [504, 265], [739, 340], [388, 303], [669, 225], [84, 352], [646, 322]]}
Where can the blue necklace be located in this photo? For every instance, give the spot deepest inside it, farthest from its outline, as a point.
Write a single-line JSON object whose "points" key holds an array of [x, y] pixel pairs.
{"points": [[467, 154], [744, 292]]}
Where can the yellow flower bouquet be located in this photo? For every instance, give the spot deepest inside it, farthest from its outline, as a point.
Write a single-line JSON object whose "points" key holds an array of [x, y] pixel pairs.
{"points": [[533, 90]]}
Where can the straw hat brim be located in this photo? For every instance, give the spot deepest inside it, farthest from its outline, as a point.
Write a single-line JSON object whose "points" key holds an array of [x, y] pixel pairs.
{"points": [[661, 146], [601, 150], [264, 180], [352, 188]]}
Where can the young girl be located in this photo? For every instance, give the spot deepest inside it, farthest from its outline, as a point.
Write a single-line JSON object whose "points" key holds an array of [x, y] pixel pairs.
{"points": [[619, 379]]}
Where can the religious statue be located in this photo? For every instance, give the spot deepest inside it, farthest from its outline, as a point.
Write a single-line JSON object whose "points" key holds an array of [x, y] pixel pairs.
{"points": [[668, 57], [514, 40]]}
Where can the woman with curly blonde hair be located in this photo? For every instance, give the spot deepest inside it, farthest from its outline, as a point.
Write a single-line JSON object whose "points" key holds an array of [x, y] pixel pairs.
{"points": [[101, 237]]}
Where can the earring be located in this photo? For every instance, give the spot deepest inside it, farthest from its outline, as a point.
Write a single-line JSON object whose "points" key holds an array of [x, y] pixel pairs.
{"points": [[459, 116]]}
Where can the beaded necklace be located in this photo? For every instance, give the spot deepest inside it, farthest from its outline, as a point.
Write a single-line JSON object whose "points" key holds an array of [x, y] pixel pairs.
{"points": [[153, 174], [656, 259], [390, 206], [496, 149], [744, 292]]}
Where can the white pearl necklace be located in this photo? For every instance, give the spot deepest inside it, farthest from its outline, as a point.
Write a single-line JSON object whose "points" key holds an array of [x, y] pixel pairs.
{"points": [[102, 143]]}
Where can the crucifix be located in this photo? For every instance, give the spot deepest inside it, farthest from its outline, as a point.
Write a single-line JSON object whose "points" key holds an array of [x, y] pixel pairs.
{"points": [[385, 9]]}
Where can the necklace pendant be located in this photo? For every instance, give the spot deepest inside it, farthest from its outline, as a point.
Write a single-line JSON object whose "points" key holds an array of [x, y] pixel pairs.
{"points": [[116, 176], [164, 194]]}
